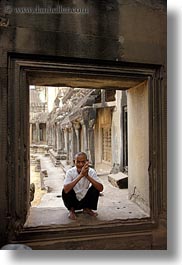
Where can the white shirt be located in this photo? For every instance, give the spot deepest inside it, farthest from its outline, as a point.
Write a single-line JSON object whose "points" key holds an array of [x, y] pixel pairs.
{"points": [[84, 184]]}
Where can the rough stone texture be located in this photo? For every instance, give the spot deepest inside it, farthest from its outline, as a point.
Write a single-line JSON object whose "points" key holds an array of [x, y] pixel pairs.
{"points": [[3, 152], [107, 30], [138, 151], [134, 241]]}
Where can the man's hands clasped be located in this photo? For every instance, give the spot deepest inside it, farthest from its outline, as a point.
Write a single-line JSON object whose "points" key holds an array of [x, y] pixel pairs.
{"points": [[84, 171]]}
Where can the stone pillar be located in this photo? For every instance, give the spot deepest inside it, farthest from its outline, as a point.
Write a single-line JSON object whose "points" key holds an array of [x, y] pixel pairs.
{"points": [[70, 146], [30, 133], [67, 145], [73, 144], [77, 132], [103, 96], [54, 138], [48, 135], [37, 133], [91, 142], [65, 134], [89, 116], [85, 137], [58, 139], [62, 140]]}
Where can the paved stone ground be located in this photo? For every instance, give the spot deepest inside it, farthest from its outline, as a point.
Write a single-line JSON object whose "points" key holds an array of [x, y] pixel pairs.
{"points": [[113, 203]]}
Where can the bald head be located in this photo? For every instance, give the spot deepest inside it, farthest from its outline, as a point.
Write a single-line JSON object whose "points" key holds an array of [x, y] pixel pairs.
{"points": [[80, 160], [81, 154]]}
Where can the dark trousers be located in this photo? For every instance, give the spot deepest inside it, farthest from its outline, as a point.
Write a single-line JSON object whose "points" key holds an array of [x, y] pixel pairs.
{"points": [[89, 201]]}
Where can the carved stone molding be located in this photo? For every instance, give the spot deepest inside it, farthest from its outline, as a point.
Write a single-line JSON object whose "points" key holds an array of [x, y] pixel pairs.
{"points": [[20, 69]]}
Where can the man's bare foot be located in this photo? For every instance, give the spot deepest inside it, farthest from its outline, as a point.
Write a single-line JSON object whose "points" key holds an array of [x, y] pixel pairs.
{"points": [[72, 215], [90, 212]]}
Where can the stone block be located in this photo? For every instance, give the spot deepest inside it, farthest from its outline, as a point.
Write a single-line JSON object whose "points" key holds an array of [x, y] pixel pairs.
{"points": [[43, 174], [119, 180]]}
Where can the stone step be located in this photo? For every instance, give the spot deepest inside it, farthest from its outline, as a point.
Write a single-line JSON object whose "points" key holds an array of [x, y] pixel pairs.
{"points": [[119, 180]]}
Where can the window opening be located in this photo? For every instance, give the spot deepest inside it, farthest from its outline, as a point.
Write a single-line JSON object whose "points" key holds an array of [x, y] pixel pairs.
{"points": [[65, 120]]}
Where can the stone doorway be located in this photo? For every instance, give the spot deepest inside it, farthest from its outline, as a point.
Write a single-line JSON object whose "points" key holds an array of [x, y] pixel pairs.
{"points": [[100, 75]]}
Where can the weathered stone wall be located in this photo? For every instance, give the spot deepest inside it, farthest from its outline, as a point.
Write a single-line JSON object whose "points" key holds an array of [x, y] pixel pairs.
{"points": [[116, 133], [123, 30], [116, 30], [138, 145]]}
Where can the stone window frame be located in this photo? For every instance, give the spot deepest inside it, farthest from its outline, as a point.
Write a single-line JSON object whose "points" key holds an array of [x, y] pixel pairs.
{"points": [[19, 68]]}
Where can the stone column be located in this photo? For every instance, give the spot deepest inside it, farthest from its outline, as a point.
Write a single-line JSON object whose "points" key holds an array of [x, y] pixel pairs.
{"points": [[58, 139], [37, 133], [30, 133], [91, 142], [66, 132], [62, 140], [65, 135], [85, 137], [103, 96], [70, 146], [89, 116], [54, 138], [77, 132], [73, 144], [48, 134]]}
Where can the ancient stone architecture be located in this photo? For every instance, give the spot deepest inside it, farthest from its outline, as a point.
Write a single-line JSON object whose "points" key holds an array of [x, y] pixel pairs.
{"points": [[38, 118], [88, 120], [107, 60]]}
